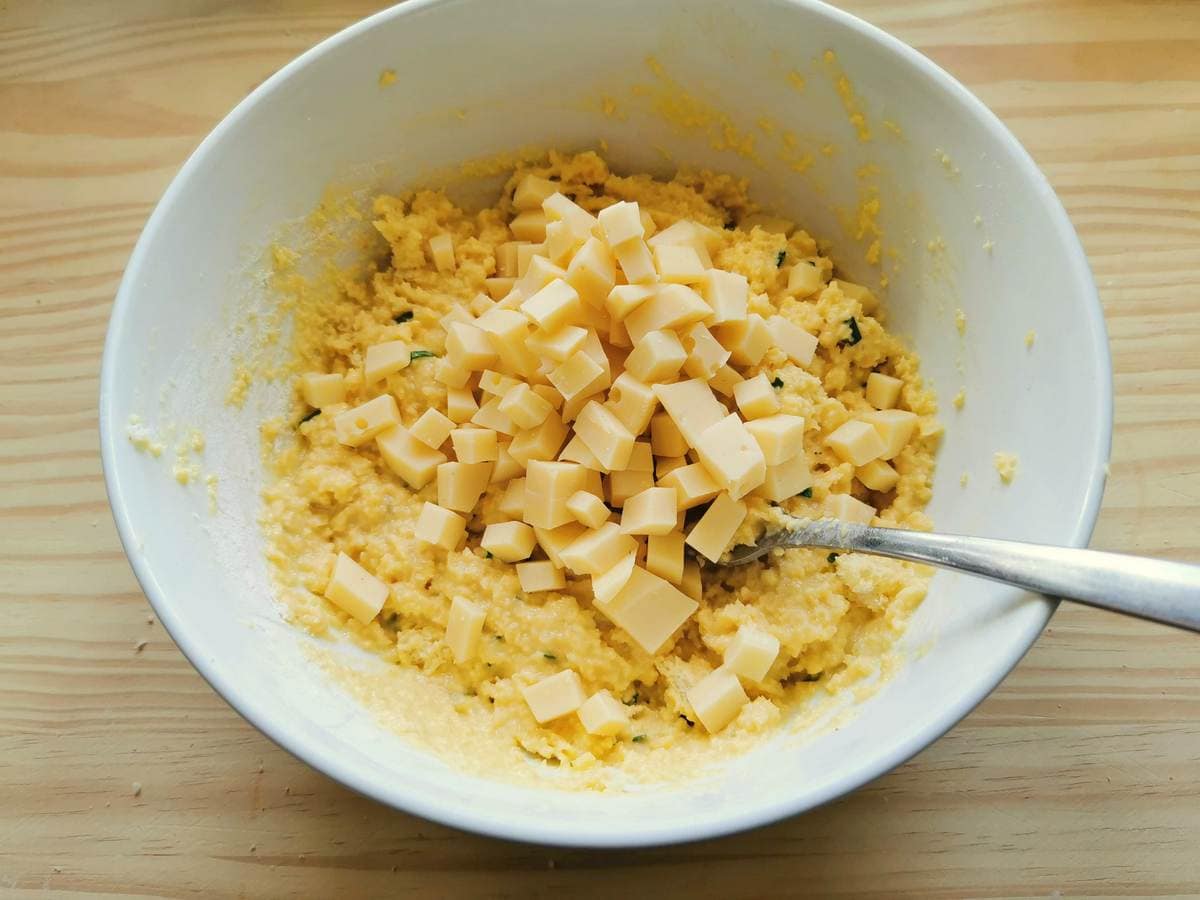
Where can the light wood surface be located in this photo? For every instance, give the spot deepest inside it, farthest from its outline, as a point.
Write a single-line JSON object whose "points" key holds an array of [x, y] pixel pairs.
{"points": [[1080, 776]]}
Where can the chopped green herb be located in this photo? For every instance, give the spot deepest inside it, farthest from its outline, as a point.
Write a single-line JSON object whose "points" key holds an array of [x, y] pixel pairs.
{"points": [[420, 354], [549, 656], [831, 558], [777, 382], [807, 492], [405, 316], [780, 257], [855, 334], [311, 414], [639, 738], [487, 554]]}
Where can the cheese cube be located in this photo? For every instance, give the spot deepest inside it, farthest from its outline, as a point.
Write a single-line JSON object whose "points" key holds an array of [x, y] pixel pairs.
{"points": [[642, 458], [531, 191], [650, 609], [527, 251], [451, 375], [692, 584], [647, 222], [608, 584], [539, 273], [464, 628], [768, 223], [512, 502], [867, 300], [650, 512], [633, 402], [495, 383], [550, 394], [320, 390], [664, 556], [883, 391], [710, 536], [559, 207], [457, 313], [576, 451], [705, 353], [555, 696], [804, 279], [756, 398], [636, 262], [780, 437], [460, 405], [877, 475], [441, 250], [498, 287], [665, 465], [895, 428], [692, 406], [793, 340], [598, 550], [548, 487], [658, 356], [727, 294], [626, 483], [355, 590], [432, 428], [603, 714], [561, 243], [490, 416], [751, 653], [665, 436], [506, 259], [468, 347], [618, 335], [529, 225], [672, 306], [524, 407], [411, 459], [693, 485], [593, 483], [592, 272], [541, 575], [555, 540], [508, 541], [732, 455], [558, 345], [508, 330], [579, 372], [356, 426], [848, 509], [857, 442], [460, 485], [555, 305], [678, 264], [506, 467], [540, 443], [621, 222], [717, 698], [786, 480], [625, 298], [475, 445], [725, 380], [748, 341], [440, 527], [605, 435], [588, 509]]}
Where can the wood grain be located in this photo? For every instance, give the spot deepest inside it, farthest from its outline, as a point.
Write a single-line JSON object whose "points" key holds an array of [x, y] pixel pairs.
{"points": [[1079, 777]]}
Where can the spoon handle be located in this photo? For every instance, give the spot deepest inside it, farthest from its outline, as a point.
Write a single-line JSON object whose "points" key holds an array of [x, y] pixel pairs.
{"points": [[1153, 589]]}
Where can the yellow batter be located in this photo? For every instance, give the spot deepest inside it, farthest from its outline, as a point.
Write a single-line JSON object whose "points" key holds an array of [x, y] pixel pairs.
{"points": [[836, 617]]}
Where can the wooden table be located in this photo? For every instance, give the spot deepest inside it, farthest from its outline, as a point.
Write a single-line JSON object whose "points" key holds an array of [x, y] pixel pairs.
{"points": [[122, 773]]}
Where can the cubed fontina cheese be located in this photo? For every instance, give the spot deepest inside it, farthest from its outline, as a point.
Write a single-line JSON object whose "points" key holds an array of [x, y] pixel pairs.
{"points": [[732, 455], [529, 225], [540, 575], [525, 408], [356, 426], [512, 501], [597, 550], [608, 583], [588, 509], [412, 460], [637, 264], [665, 437], [692, 406], [460, 406], [752, 652], [633, 402], [539, 272], [848, 509], [895, 428], [621, 222], [355, 590], [856, 442], [625, 484], [441, 249], [555, 540], [558, 345], [756, 398], [468, 347], [658, 356], [793, 340], [460, 485], [693, 485], [555, 696], [877, 475], [320, 390], [650, 609], [604, 715], [531, 192], [440, 527], [692, 584], [716, 699], [475, 445], [573, 377], [727, 293], [650, 512], [548, 487], [464, 628], [710, 536], [747, 341], [671, 306], [605, 435], [664, 556], [561, 208], [541, 443], [786, 480], [706, 356], [883, 391], [506, 466], [508, 541], [625, 298], [804, 279], [678, 264], [555, 305], [432, 428], [780, 437]]}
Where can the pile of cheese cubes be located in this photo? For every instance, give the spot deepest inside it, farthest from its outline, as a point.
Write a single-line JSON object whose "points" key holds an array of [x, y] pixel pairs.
{"points": [[600, 382]]}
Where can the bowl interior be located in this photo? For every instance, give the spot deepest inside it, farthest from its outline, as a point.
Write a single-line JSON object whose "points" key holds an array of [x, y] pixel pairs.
{"points": [[965, 222]]}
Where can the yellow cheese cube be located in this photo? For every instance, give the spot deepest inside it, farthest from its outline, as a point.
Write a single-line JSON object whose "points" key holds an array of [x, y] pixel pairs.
{"points": [[748, 341], [460, 405], [320, 390], [432, 428], [356, 426], [508, 330], [793, 340], [867, 300], [608, 584], [732, 455], [727, 294], [618, 335], [481, 303], [665, 465], [411, 459], [496, 383], [475, 445], [548, 487], [457, 313], [883, 391], [550, 394], [555, 696], [633, 402], [877, 475], [895, 428], [625, 298], [664, 555], [647, 223], [621, 222], [524, 407], [710, 536], [651, 511], [605, 435], [512, 503], [658, 356], [460, 485], [725, 380], [578, 373], [506, 259], [539, 273], [786, 479], [508, 541], [692, 406], [558, 345], [555, 305], [678, 264], [561, 243], [588, 509], [531, 191], [693, 485], [636, 262], [716, 699], [498, 287], [705, 353], [857, 442], [780, 437], [451, 375], [756, 398], [603, 714], [490, 416], [772, 224], [540, 443], [529, 225], [804, 279], [642, 458], [555, 540], [440, 527], [355, 590], [650, 609], [751, 653], [692, 584], [576, 451], [560, 208], [598, 550], [441, 251], [626, 483], [527, 252], [665, 436], [464, 628], [672, 306], [468, 347], [592, 272], [541, 575], [848, 509], [507, 467]]}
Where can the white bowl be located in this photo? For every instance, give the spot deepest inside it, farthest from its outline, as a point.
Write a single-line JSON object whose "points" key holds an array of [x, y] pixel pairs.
{"points": [[532, 72]]}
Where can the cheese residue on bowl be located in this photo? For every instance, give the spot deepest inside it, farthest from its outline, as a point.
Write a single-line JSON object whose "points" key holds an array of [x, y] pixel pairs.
{"points": [[526, 436]]}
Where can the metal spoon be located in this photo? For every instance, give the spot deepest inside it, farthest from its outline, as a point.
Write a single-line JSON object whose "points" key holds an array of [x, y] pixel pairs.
{"points": [[1153, 589]]}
